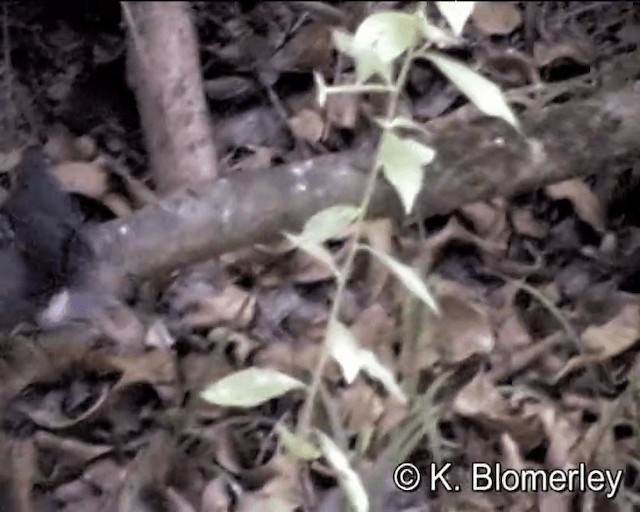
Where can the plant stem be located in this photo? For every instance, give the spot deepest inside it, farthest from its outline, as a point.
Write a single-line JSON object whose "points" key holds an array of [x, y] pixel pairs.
{"points": [[305, 415]]}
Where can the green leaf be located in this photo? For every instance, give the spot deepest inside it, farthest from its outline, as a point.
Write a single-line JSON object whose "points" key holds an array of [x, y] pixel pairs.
{"points": [[408, 277], [321, 89], [249, 388], [348, 479], [329, 223], [483, 93], [434, 34], [296, 445], [401, 122], [388, 34], [373, 367], [347, 352], [456, 14], [368, 62], [345, 349], [314, 249], [402, 160]]}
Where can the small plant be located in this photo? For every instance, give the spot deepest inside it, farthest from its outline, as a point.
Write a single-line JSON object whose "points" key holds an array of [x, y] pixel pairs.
{"points": [[384, 47]]}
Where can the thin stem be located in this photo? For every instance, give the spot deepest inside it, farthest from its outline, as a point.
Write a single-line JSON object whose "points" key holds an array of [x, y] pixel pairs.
{"points": [[305, 414]]}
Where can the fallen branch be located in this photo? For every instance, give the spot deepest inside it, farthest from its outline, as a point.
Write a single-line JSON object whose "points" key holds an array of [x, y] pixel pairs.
{"points": [[475, 161]]}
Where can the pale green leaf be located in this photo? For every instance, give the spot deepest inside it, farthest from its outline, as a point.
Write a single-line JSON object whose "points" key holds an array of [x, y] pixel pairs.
{"points": [[314, 249], [348, 479], [456, 14], [388, 34], [408, 277], [321, 89], [434, 34], [343, 41], [368, 62], [373, 367], [249, 388], [483, 93], [345, 349], [296, 445], [402, 122], [329, 223], [402, 161]]}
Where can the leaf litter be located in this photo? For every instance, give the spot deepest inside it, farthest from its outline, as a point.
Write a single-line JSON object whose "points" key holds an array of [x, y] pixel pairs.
{"points": [[114, 419]]}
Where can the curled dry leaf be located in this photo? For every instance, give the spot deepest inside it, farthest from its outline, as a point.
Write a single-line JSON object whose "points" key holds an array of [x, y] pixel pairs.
{"points": [[496, 18]]}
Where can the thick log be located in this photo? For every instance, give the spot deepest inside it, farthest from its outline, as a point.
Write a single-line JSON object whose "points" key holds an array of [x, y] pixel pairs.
{"points": [[476, 161]]}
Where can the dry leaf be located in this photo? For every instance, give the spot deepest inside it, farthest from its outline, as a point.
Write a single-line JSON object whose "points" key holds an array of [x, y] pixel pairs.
{"points": [[86, 178], [307, 124], [231, 306], [614, 337], [580, 49], [496, 18], [310, 49], [460, 332], [489, 220], [480, 401], [585, 202], [342, 110], [117, 204], [360, 407], [526, 224]]}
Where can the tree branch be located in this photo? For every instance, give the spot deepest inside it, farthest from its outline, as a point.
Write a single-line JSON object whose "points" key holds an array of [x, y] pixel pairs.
{"points": [[475, 161]]}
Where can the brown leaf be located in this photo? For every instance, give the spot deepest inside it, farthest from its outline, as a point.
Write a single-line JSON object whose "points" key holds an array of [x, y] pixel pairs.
{"points": [[231, 306], [480, 401], [308, 50], [496, 18], [585, 202], [489, 220], [526, 224], [156, 367], [342, 110], [308, 125], [86, 178], [118, 204], [460, 332], [215, 497], [615, 336], [379, 235], [361, 407], [579, 48]]}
